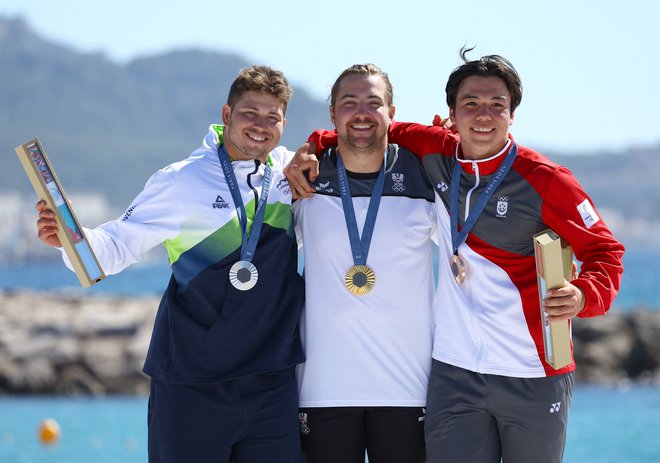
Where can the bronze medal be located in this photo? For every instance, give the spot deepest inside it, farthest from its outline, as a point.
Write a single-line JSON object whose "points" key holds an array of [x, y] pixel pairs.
{"points": [[359, 280], [458, 268]]}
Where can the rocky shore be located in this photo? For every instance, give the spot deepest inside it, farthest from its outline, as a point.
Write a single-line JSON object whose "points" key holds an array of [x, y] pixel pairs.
{"points": [[70, 344]]}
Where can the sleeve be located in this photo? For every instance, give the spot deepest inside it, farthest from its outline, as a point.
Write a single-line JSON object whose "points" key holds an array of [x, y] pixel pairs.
{"points": [[281, 156], [570, 213], [418, 138], [152, 218], [323, 139], [423, 139]]}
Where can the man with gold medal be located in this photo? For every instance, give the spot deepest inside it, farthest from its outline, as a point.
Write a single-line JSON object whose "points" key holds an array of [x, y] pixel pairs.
{"points": [[492, 394], [367, 324]]}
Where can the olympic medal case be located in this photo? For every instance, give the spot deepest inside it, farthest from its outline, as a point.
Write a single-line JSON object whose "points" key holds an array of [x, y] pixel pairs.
{"points": [[45, 183], [554, 263]]}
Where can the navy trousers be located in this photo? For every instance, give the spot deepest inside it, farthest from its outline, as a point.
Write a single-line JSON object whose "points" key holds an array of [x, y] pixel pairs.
{"points": [[246, 420]]}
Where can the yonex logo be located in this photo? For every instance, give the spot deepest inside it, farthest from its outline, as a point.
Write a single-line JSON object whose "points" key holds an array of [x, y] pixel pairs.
{"points": [[442, 186], [554, 408], [423, 417], [220, 203]]}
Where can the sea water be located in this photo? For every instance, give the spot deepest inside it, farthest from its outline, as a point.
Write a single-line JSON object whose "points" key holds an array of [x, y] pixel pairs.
{"points": [[606, 425], [639, 288]]}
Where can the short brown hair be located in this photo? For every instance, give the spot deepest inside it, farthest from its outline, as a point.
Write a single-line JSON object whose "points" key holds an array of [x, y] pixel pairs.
{"points": [[262, 79], [486, 66], [367, 69]]}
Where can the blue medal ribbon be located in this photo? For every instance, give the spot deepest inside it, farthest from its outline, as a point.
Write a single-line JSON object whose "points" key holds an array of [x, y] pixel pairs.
{"points": [[359, 245], [249, 243], [458, 238]]}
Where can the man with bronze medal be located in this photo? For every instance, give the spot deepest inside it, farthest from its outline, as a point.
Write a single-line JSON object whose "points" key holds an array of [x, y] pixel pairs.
{"points": [[367, 237], [226, 337], [492, 394]]}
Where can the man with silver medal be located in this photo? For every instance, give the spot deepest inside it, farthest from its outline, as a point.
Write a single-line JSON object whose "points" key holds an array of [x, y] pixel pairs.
{"points": [[367, 242], [226, 337]]}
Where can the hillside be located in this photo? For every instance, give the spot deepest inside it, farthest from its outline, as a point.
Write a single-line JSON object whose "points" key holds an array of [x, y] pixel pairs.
{"points": [[107, 126], [113, 123]]}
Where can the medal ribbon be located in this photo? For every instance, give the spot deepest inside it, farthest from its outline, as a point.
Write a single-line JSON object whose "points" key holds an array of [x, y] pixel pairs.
{"points": [[249, 243], [458, 238], [359, 246]]}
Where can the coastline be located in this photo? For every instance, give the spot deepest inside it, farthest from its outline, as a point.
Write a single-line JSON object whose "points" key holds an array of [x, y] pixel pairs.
{"points": [[72, 344]]}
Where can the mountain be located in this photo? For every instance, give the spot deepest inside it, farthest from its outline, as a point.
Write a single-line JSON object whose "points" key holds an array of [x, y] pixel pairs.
{"points": [[107, 126], [115, 123]]}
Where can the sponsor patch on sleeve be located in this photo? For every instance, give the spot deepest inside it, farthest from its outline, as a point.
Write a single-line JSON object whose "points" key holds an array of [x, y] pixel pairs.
{"points": [[588, 214]]}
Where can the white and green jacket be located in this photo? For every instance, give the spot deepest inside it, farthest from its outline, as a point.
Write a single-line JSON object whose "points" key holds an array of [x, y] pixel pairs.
{"points": [[205, 329]]}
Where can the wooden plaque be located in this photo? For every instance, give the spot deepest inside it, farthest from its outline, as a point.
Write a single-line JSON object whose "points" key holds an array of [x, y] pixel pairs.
{"points": [[45, 183], [553, 265]]}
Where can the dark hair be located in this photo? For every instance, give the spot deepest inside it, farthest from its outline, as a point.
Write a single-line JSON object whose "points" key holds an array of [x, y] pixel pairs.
{"points": [[486, 66], [260, 79], [367, 69]]}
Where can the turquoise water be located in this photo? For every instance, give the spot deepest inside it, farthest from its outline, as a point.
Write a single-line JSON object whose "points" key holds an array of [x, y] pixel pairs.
{"points": [[639, 287], [605, 426]]}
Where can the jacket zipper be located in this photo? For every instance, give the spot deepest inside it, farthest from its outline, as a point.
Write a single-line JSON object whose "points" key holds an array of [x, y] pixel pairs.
{"points": [[249, 182], [477, 180]]}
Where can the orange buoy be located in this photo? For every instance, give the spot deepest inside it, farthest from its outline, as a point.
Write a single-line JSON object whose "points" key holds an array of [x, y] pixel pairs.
{"points": [[49, 432]]}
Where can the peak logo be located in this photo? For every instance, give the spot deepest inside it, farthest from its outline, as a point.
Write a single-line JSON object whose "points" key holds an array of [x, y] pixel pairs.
{"points": [[220, 203]]}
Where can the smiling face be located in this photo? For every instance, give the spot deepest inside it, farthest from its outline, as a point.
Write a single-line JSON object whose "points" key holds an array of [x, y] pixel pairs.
{"points": [[362, 114], [253, 126], [482, 116]]}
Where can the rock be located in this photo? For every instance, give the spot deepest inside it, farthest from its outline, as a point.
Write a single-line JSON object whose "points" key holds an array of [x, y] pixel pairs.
{"points": [[64, 344], [619, 346]]}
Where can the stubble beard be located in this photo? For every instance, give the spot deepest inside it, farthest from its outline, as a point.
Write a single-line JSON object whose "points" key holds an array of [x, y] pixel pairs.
{"points": [[376, 142], [251, 153]]}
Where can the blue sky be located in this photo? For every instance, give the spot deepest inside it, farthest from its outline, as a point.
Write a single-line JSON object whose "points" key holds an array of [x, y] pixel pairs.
{"points": [[590, 69]]}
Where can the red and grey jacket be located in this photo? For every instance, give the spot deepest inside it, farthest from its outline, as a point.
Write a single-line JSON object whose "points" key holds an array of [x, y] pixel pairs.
{"points": [[491, 323]]}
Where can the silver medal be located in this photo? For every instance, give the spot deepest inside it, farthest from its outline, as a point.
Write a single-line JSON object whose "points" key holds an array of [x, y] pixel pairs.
{"points": [[243, 275]]}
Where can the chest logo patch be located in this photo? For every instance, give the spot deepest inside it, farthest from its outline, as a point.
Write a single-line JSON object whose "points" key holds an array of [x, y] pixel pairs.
{"points": [[502, 206], [397, 183], [284, 187], [442, 186], [588, 214], [324, 187], [220, 203]]}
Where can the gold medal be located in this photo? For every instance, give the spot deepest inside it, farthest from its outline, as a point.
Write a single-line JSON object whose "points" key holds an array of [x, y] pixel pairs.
{"points": [[243, 275], [359, 280], [458, 268]]}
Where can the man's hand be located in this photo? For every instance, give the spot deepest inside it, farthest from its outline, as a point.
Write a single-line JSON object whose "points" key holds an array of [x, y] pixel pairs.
{"points": [[304, 160], [446, 123], [563, 303], [47, 226]]}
